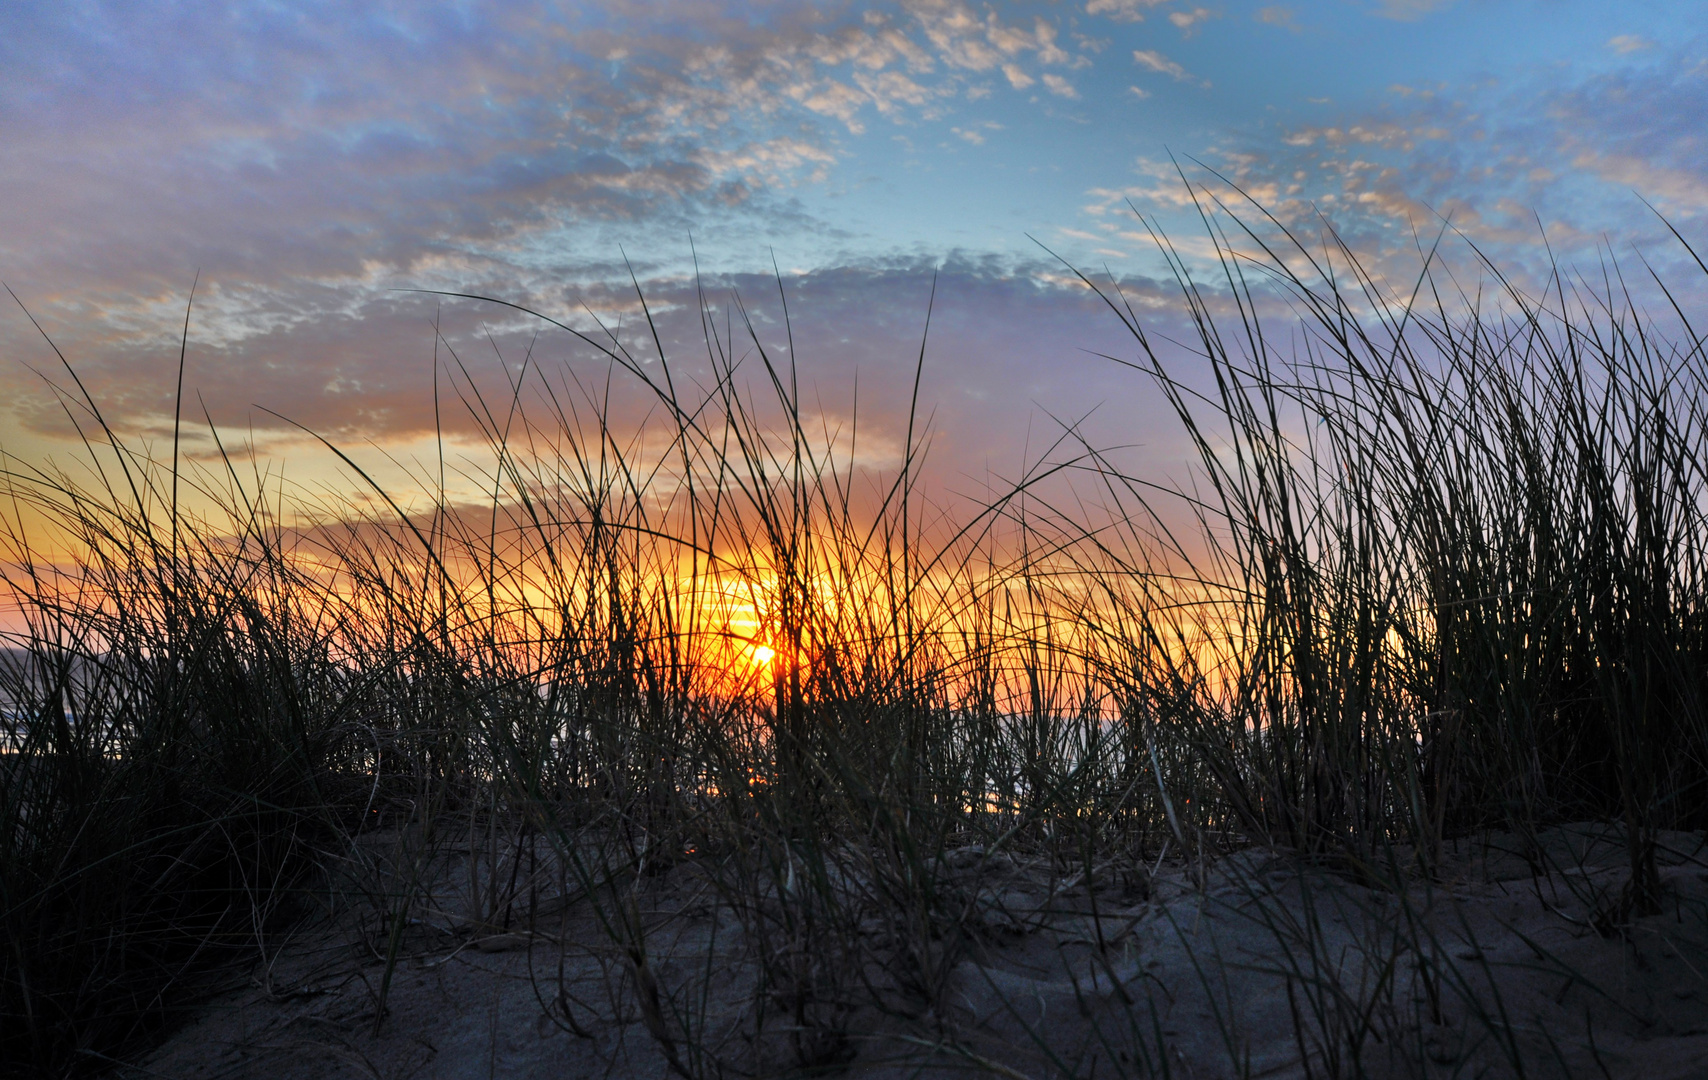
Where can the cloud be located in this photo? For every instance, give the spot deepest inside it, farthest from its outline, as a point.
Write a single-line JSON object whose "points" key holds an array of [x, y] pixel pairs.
{"points": [[972, 135], [1155, 61], [1276, 15], [834, 99], [310, 161], [771, 162], [1624, 44], [966, 40], [1059, 86], [308, 158], [1187, 22], [1122, 10], [1571, 148], [367, 372]]}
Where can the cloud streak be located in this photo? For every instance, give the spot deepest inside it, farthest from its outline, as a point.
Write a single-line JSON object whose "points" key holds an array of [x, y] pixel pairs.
{"points": [[1151, 60]]}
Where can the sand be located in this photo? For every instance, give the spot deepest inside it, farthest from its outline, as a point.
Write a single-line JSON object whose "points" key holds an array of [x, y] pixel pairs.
{"points": [[1255, 964]]}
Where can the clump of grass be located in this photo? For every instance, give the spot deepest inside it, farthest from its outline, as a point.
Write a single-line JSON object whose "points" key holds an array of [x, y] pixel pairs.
{"points": [[174, 735], [1442, 572], [1450, 555]]}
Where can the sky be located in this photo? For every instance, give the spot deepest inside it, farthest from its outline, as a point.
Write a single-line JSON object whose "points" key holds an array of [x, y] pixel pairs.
{"points": [[306, 165]]}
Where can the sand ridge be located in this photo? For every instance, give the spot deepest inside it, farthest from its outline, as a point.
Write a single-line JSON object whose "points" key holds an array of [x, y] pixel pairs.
{"points": [[1255, 964]]}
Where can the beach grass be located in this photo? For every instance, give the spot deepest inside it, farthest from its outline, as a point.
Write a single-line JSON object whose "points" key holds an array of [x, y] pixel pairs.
{"points": [[1438, 571]]}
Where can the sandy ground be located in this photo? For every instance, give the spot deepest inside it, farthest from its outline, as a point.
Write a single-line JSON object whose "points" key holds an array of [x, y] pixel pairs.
{"points": [[1247, 966]]}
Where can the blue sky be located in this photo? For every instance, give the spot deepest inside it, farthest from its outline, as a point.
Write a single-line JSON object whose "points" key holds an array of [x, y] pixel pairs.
{"points": [[309, 159]]}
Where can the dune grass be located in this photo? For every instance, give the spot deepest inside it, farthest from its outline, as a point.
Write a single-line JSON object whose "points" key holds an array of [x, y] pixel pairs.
{"points": [[1439, 570]]}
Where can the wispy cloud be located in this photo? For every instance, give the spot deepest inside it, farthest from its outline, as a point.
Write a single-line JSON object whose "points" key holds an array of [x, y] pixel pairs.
{"points": [[965, 39], [1122, 10], [1017, 76], [1187, 22], [1624, 44], [1492, 161], [1151, 60], [1059, 86], [976, 134]]}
